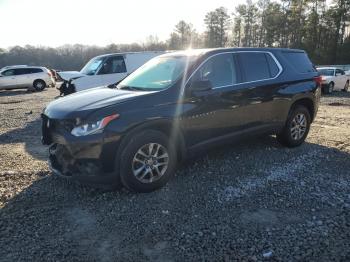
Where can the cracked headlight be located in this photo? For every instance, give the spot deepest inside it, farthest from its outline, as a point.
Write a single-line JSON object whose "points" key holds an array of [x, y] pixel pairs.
{"points": [[93, 127]]}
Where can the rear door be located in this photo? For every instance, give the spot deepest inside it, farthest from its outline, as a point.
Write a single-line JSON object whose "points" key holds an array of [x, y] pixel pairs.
{"points": [[8, 79], [23, 77], [259, 88]]}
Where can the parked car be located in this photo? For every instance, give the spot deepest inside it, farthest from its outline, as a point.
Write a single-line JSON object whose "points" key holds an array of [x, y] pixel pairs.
{"points": [[176, 105], [103, 70], [333, 79], [25, 77]]}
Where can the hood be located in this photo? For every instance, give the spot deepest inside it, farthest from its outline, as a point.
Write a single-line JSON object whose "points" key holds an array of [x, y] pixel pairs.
{"points": [[81, 104], [68, 75]]}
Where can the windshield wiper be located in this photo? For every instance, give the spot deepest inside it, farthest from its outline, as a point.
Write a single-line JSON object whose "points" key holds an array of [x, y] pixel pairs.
{"points": [[132, 88]]}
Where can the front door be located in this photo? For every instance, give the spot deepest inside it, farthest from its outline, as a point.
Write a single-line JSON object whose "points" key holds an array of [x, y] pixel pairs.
{"points": [[113, 70], [8, 79]]}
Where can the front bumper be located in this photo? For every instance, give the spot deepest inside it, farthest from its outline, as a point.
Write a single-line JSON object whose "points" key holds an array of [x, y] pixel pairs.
{"points": [[85, 171], [89, 160]]}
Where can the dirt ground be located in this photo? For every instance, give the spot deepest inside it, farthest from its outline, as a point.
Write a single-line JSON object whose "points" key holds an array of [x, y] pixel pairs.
{"points": [[254, 201]]}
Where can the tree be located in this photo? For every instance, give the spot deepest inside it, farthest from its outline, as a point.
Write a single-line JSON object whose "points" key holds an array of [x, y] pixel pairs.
{"points": [[183, 36], [217, 23]]}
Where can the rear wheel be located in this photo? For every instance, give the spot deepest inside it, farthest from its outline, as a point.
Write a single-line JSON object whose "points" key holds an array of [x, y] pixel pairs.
{"points": [[296, 128], [147, 162], [329, 88], [346, 87], [39, 85]]}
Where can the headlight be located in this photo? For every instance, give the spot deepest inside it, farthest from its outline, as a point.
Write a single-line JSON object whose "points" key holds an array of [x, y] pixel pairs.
{"points": [[93, 127]]}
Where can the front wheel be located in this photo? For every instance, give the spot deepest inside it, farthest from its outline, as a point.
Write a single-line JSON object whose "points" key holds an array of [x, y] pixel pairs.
{"points": [[147, 162], [296, 128], [346, 87]]}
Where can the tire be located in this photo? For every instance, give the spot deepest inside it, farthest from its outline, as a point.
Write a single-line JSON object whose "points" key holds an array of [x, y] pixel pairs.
{"points": [[346, 87], [293, 139], [329, 88], [39, 85], [138, 172]]}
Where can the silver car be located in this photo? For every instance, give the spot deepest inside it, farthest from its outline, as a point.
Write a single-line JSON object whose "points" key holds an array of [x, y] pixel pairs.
{"points": [[26, 77]]}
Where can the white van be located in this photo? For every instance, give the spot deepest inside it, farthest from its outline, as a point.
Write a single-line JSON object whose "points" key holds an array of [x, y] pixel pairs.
{"points": [[103, 70]]}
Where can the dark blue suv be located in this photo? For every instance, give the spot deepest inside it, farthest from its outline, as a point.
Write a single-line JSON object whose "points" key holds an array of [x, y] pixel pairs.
{"points": [[175, 105]]}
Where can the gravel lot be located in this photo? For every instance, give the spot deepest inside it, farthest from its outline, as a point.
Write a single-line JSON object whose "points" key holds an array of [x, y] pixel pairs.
{"points": [[252, 201]]}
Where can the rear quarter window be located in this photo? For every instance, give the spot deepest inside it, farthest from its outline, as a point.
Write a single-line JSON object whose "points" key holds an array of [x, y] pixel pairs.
{"points": [[299, 61], [258, 66], [35, 70]]}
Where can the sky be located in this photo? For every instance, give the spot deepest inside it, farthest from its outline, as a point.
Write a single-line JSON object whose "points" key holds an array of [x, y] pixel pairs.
{"points": [[98, 22]]}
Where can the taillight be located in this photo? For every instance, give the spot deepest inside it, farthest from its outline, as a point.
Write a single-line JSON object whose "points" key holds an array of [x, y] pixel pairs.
{"points": [[318, 80]]}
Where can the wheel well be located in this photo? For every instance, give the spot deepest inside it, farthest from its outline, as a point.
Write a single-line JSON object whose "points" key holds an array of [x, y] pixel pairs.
{"points": [[36, 80], [167, 128], [308, 103]]}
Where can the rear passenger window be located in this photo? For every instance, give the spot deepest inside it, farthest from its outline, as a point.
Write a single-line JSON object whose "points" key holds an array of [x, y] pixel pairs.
{"points": [[258, 66], [300, 61], [219, 70]]}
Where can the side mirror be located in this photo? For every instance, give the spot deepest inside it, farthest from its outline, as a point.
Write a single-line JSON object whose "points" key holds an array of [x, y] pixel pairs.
{"points": [[338, 74], [201, 85]]}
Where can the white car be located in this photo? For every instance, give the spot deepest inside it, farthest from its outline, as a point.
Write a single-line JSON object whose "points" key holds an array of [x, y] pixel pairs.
{"points": [[103, 70], [333, 79], [16, 77]]}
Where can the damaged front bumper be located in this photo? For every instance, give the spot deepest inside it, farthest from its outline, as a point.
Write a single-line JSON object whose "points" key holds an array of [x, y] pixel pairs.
{"points": [[87, 159], [87, 171]]}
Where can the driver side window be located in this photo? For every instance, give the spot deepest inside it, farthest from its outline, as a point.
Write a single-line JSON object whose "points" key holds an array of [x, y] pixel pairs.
{"points": [[10, 72], [113, 65], [219, 70]]}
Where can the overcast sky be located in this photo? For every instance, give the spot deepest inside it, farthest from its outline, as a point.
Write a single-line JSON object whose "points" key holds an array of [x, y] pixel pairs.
{"points": [[98, 22]]}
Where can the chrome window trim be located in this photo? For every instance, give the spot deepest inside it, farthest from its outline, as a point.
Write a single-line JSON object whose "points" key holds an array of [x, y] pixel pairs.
{"points": [[235, 52]]}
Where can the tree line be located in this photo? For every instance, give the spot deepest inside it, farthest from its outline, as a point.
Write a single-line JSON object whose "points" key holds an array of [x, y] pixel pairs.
{"points": [[320, 27]]}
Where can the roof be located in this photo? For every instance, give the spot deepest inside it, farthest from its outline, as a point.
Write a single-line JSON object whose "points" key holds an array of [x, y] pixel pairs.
{"points": [[129, 53], [197, 52], [326, 67]]}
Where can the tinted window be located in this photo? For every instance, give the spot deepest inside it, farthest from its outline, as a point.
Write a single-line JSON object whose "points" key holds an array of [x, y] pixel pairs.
{"points": [[219, 70], [10, 72], [34, 70], [21, 71], [274, 70], [300, 61], [339, 71], [326, 72], [113, 65], [255, 66]]}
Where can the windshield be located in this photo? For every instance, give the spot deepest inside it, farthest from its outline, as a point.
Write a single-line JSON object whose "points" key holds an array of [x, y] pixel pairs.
{"points": [[326, 72], [157, 74], [91, 67]]}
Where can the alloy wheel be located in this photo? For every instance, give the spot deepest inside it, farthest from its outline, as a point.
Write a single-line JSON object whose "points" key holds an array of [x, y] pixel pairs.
{"points": [[150, 162], [299, 126]]}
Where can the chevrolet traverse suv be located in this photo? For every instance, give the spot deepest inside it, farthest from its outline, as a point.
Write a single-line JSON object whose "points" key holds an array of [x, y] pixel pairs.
{"points": [[175, 105]]}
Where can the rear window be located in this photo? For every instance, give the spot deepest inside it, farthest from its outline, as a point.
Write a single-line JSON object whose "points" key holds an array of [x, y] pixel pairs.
{"points": [[258, 66], [300, 61]]}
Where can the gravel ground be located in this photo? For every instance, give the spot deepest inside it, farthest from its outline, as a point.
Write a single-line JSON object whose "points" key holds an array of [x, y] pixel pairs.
{"points": [[253, 201]]}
